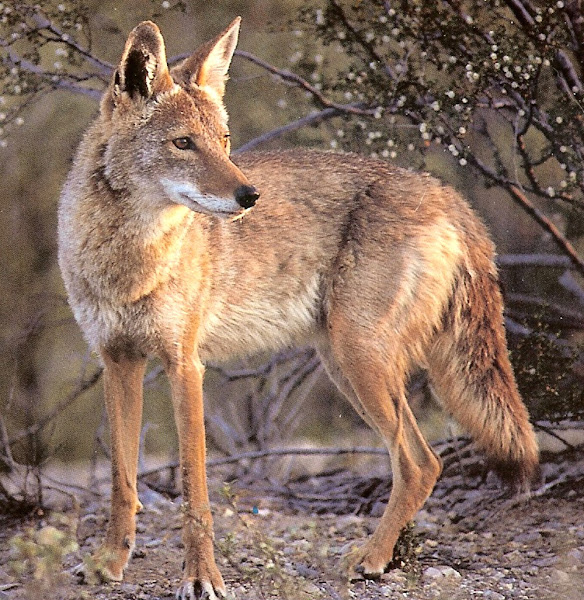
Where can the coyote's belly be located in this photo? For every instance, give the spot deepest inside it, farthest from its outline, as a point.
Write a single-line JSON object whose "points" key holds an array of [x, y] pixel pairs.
{"points": [[264, 322]]}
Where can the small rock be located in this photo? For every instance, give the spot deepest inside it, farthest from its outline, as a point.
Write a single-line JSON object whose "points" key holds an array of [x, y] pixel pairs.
{"points": [[432, 573], [529, 537], [394, 576], [547, 561], [575, 556], [441, 572], [129, 588], [491, 595], [311, 589], [560, 577]]}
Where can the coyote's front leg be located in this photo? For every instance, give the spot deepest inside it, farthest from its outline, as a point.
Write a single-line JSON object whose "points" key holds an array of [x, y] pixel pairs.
{"points": [[201, 577], [123, 378]]}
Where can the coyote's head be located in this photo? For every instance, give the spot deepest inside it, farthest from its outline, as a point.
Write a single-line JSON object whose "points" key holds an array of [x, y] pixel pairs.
{"points": [[166, 130]]}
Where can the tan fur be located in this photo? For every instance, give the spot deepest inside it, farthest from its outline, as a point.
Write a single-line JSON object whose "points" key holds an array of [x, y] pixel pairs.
{"points": [[382, 269]]}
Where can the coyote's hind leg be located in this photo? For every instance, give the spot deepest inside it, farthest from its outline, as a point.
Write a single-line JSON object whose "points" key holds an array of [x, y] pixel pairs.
{"points": [[377, 389]]}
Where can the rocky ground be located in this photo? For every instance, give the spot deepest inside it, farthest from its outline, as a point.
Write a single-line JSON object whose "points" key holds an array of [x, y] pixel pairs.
{"points": [[470, 541]]}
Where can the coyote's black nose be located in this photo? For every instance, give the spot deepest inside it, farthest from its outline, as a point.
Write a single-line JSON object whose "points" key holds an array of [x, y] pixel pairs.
{"points": [[246, 196]]}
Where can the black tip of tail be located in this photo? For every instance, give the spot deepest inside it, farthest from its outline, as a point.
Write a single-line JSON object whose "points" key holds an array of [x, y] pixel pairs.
{"points": [[519, 476]]}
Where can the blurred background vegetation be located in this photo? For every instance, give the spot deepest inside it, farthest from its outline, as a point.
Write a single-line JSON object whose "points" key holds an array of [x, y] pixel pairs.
{"points": [[487, 96]]}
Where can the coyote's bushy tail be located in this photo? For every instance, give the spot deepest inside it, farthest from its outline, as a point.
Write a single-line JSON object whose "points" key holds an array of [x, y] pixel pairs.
{"points": [[470, 370]]}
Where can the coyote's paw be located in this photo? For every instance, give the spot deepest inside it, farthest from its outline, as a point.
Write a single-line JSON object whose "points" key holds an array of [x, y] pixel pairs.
{"points": [[366, 562], [105, 565], [191, 589]]}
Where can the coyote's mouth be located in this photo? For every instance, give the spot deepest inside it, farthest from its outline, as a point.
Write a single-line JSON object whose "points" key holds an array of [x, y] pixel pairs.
{"points": [[189, 195], [222, 214]]}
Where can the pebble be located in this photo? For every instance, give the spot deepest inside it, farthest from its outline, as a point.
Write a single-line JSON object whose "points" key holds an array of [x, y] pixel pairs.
{"points": [[441, 572], [547, 561], [491, 595], [395, 576], [575, 556], [529, 537], [560, 577]]}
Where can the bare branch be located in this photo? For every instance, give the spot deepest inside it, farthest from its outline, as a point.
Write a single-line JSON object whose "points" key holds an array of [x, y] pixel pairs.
{"points": [[520, 198], [570, 284], [272, 452], [300, 82], [56, 80], [82, 387], [534, 260], [308, 121], [522, 11], [43, 22]]}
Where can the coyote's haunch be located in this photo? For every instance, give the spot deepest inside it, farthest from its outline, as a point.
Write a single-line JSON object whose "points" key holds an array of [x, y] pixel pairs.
{"points": [[382, 269]]}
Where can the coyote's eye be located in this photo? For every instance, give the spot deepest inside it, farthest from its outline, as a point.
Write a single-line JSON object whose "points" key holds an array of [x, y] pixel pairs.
{"points": [[184, 143], [226, 140]]}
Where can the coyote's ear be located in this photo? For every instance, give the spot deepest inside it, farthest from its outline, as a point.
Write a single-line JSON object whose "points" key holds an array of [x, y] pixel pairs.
{"points": [[142, 72], [209, 64]]}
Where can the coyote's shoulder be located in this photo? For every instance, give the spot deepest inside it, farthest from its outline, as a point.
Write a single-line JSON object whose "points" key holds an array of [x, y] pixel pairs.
{"points": [[168, 250]]}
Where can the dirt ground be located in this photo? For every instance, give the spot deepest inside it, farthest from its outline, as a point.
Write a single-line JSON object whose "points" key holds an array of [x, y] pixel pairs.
{"points": [[470, 541]]}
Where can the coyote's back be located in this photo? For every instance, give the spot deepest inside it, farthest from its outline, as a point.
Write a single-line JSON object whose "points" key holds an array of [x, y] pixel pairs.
{"points": [[165, 252]]}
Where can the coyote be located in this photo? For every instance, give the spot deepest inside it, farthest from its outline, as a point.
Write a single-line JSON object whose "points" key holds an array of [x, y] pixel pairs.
{"points": [[167, 250]]}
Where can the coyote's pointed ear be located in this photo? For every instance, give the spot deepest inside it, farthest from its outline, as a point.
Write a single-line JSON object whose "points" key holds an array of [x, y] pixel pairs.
{"points": [[142, 72], [208, 66]]}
